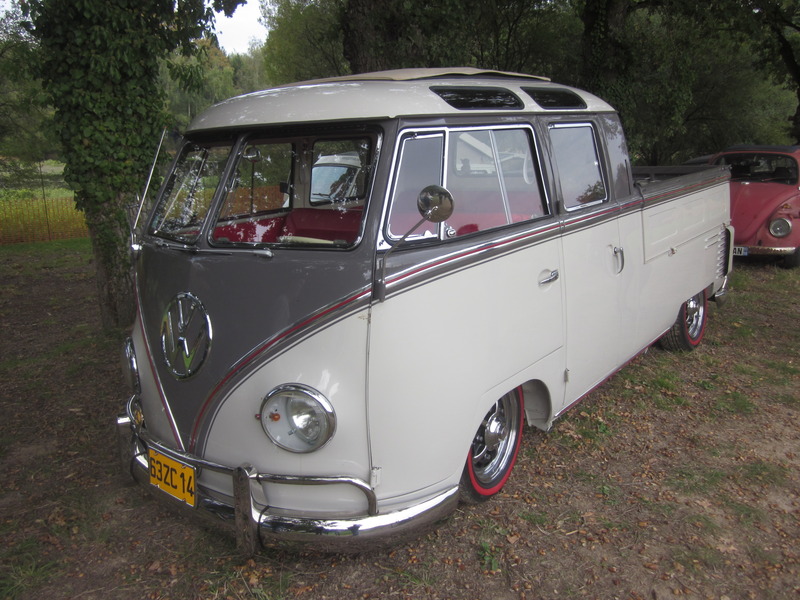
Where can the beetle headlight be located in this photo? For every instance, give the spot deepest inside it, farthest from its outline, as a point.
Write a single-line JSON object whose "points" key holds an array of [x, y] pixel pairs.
{"points": [[297, 418], [780, 227]]}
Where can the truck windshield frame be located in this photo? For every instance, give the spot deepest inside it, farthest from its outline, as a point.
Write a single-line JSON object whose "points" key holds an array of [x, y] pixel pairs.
{"points": [[287, 191], [187, 197]]}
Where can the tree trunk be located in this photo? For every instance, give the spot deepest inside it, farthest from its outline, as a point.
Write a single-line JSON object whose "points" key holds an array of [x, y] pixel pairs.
{"points": [[603, 57], [793, 68], [364, 40], [110, 237]]}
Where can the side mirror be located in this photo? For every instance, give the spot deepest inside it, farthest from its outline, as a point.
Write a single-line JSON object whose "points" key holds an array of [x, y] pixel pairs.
{"points": [[435, 204]]}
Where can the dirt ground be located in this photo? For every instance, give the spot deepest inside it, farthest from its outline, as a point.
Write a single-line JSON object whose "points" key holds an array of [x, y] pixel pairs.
{"points": [[678, 478]]}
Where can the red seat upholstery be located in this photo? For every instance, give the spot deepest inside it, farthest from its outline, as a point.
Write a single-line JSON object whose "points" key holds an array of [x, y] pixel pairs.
{"points": [[324, 224]]}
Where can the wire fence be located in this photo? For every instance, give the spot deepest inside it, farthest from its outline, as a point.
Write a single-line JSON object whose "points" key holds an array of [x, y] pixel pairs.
{"points": [[25, 219]]}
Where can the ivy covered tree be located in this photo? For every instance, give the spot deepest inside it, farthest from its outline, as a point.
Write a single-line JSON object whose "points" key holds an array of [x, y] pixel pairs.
{"points": [[100, 67]]}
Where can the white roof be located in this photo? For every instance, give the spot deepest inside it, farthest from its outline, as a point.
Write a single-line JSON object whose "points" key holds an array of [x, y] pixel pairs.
{"points": [[384, 94]]}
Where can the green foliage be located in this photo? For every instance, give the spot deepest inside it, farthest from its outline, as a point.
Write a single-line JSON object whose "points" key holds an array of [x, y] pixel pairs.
{"points": [[24, 118], [488, 556], [210, 78], [684, 86], [100, 67], [305, 40], [249, 72], [526, 37], [676, 105]]}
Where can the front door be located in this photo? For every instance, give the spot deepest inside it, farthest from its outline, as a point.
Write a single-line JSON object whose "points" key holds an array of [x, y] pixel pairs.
{"points": [[472, 305]]}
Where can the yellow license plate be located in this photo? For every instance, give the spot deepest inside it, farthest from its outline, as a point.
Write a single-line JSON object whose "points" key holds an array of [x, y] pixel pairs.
{"points": [[176, 479]]}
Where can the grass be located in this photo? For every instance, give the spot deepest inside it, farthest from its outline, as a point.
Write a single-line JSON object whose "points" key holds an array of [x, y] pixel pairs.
{"points": [[696, 479], [488, 557], [36, 213], [609, 493], [38, 364], [26, 571], [735, 403], [34, 257], [761, 473], [698, 558], [704, 523], [24, 575], [745, 513], [535, 518]]}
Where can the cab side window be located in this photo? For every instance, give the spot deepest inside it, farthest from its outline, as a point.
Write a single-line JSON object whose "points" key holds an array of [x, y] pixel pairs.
{"points": [[578, 163], [493, 179], [420, 165], [492, 173]]}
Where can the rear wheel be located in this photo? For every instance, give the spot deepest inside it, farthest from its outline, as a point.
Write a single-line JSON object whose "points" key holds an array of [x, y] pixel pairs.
{"points": [[494, 449], [690, 326]]}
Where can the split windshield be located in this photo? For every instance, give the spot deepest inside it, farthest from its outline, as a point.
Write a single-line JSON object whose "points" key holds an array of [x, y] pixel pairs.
{"points": [[291, 191]]}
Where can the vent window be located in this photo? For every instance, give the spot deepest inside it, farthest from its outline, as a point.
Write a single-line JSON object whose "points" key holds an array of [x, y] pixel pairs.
{"points": [[483, 98], [555, 99]]}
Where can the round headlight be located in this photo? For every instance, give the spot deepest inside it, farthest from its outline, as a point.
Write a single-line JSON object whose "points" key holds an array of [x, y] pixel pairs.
{"points": [[780, 227], [297, 418]]}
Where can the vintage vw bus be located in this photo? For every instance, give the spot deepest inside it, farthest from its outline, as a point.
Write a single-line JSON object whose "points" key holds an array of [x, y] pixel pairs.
{"points": [[353, 293]]}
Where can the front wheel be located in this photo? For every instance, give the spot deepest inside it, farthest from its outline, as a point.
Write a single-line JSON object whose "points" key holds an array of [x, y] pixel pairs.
{"points": [[690, 326], [494, 449]]}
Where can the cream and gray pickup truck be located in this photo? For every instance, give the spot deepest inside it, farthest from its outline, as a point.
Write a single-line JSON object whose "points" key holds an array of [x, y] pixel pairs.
{"points": [[353, 293]]}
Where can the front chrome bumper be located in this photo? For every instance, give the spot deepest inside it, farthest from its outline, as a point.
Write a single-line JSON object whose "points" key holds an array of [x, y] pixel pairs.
{"points": [[253, 523]]}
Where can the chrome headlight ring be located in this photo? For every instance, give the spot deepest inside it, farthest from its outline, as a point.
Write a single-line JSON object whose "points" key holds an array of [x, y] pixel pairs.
{"points": [[297, 418], [780, 227]]}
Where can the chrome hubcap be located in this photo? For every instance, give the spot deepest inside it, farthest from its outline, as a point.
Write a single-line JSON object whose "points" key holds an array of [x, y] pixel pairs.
{"points": [[495, 441], [695, 312]]}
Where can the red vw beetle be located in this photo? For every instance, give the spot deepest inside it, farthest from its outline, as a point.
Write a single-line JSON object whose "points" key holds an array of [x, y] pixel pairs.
{"points": [[765, 200]]}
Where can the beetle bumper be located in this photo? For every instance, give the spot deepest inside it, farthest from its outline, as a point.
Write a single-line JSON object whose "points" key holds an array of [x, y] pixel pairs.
{"points": [[256, 526], [768, 251]]}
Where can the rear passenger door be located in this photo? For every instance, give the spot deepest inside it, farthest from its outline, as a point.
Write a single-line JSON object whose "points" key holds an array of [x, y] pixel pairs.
{"points": [[594, 259]]}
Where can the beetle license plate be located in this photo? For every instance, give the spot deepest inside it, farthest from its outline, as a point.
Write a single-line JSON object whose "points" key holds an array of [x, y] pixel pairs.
{"points": [[739, 251], [172, 477]]}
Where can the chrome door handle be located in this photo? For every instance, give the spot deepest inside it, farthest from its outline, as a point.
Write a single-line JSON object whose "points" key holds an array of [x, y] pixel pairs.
{"points": [[550, 278], [619, 252]]}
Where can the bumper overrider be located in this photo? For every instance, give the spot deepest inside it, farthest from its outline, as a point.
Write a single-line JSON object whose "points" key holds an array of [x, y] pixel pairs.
{"points": [[253, 523]]}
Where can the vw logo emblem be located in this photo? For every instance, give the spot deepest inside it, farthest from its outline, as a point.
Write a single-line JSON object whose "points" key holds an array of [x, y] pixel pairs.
{"points": [[185, 335]]}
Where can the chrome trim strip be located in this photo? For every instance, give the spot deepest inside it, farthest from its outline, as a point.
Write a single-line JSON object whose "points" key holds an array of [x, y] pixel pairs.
{"points": [[463, 257], [149, 352], [672, 192]]}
